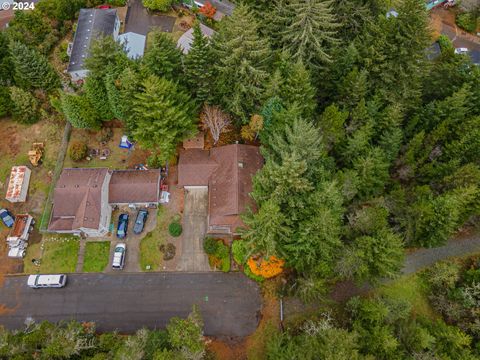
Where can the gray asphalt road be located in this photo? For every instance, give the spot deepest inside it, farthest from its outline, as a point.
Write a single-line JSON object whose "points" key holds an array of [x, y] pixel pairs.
{"points": [[229, 303], [414, 262]]}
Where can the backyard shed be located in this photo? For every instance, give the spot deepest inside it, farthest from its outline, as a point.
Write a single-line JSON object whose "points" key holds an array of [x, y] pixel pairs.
{"points": [[18, 184]]}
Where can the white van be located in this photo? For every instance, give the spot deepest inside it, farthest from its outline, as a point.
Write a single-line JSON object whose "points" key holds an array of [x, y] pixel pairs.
{"points": [[47, 281]]}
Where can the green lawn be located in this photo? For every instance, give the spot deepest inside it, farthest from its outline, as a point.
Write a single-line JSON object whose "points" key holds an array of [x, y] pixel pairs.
{"points": [[149, 246], [96, 256], [413, 289], [60, 254]]}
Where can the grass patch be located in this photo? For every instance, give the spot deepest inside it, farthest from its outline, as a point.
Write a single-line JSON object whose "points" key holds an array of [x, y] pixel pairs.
{"points": [[60, 254], [150, 254], [33, 252], [413, 289], [96, 256], [116, 160]]}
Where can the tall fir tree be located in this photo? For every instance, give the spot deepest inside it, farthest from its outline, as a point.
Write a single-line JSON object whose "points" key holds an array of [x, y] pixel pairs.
{"points": [[164, 116], [96, 93], [79, 111], [241, 67], [197, 66], [32, 70], [24, 106], [306, 28], [163, 59]]}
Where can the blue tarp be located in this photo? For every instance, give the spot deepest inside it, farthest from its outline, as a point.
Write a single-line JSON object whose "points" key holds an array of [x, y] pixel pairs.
{"points": [[125, 143]]}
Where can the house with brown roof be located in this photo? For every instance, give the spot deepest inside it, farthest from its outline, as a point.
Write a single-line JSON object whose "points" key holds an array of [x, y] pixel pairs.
{"points": [[80, 202], [83, 198], [227, 172]]}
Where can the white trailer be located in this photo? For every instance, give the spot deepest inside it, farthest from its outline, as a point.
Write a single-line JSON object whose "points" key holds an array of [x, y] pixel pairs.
{"points": [[18, 237]]}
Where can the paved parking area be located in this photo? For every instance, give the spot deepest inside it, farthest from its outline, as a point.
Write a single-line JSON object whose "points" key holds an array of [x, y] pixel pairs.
{"points": [[194, 229], [132, 261], [140, 21]]}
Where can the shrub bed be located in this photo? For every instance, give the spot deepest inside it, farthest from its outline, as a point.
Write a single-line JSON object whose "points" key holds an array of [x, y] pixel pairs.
{"points": [[175, 229], [240, 255], [218, 254]]}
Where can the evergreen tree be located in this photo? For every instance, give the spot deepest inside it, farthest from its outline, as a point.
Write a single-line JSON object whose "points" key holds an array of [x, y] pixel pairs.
{"points": [[32, 69], [198, 67], [5, 101], [374, 257], [106, 56], [331, 124], [24, 106], [241, 67], [265, 230], [79, 111], [6, 65], [96, 93], [121, 92], [372, 170], [307, 29], [163, 115], [292, 84], [163, 59]]}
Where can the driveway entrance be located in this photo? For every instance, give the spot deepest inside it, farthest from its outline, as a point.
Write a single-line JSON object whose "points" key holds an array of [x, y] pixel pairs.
{"points": [[194, 229], [140, 21]]}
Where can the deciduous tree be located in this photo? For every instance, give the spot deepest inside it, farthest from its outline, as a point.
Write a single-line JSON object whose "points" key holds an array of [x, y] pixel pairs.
{"points": [[214, 120]]}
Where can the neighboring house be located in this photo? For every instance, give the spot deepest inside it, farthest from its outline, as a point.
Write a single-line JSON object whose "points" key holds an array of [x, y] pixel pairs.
{"points": [[227, 172], [134, 44], [186, 40], [83, 198], [92, 23]]}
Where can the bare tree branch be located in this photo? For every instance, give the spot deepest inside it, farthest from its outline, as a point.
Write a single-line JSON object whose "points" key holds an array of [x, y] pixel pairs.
{"points": [[215, 120]]}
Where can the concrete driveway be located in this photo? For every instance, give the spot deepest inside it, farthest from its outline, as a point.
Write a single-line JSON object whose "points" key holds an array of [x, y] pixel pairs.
{"points": [[132, 260], [229, 303], [140, 21], [195, 216]]}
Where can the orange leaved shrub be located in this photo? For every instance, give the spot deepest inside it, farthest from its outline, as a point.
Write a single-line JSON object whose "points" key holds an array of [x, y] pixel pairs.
{"points": [[266, 268]]}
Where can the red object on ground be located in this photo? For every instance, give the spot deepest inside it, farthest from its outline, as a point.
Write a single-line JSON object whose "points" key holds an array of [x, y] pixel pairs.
{"points": [[104, 7], [208, 10]]}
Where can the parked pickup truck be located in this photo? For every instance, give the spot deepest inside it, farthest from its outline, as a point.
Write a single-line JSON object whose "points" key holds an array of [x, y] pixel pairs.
{"points": [[19, 234]]}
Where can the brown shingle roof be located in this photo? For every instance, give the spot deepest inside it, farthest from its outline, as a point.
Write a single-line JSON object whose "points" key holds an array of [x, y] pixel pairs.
{"points": [[77, 199], [134, 186], [197, 142], [195, 167], [228, 171], [231, 183]]}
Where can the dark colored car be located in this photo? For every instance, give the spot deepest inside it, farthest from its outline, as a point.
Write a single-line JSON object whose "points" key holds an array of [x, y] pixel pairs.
{"points": [[7, 218], [122, 226], [140, 221]]}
